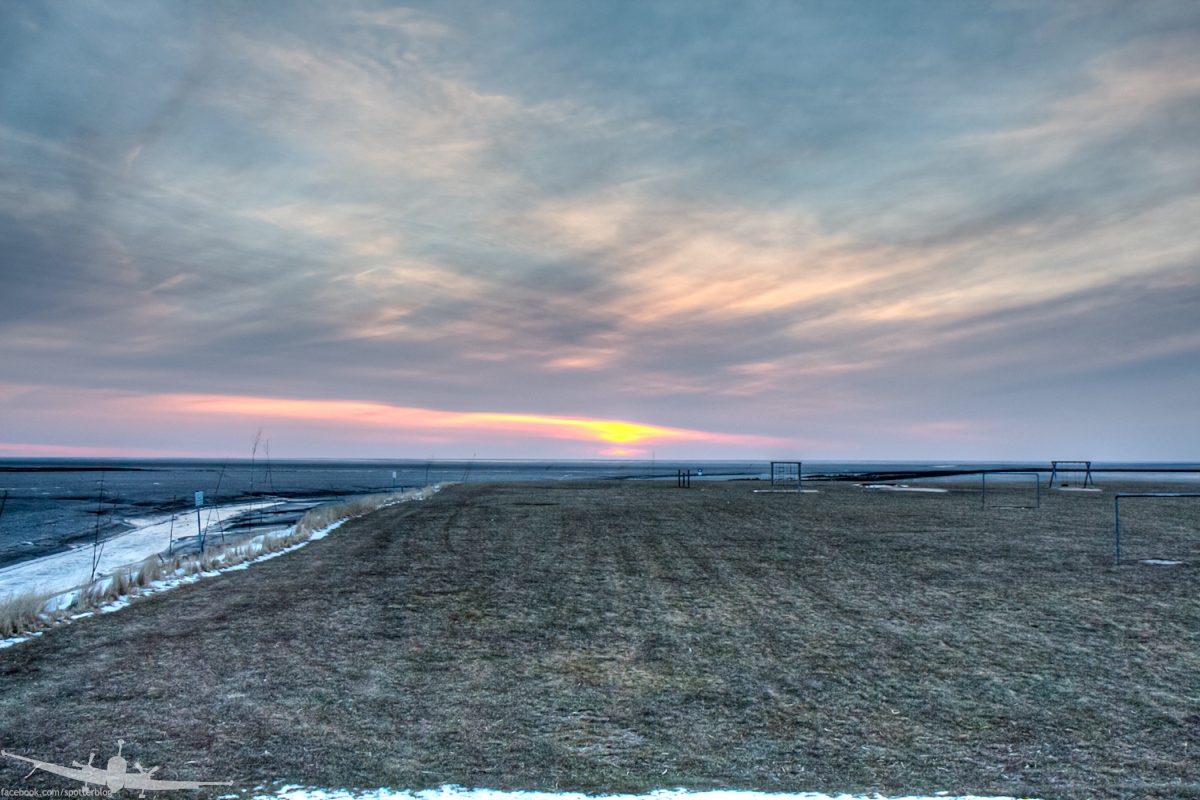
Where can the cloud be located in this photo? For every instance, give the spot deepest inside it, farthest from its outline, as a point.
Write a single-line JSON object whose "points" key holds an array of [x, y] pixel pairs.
{"points": [[418, 27], [382, 111], [441, 423], [34, 450], [1128, 88], [305, 421], [709, 218]]}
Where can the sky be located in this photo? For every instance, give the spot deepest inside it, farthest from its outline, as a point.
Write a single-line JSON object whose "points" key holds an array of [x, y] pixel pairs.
{"points": [[686, 229]]}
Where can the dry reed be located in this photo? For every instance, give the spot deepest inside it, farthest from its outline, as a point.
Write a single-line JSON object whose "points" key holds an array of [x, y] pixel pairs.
{"points": [[22, 612]]}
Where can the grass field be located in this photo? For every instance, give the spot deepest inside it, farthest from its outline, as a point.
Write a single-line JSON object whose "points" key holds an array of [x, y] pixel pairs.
{"points": [[631, 636]]}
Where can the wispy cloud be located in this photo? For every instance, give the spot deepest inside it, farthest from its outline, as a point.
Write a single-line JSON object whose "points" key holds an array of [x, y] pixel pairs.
{"points": [[747, 219], [36, 450], [462, 432], [441, 425], [1127, 88]]}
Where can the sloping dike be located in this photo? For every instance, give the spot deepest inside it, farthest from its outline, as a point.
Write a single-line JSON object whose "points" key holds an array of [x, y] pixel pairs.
{"points": [[628, 636]]}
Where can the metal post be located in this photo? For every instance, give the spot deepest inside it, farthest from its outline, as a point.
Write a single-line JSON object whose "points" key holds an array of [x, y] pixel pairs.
{"points": [[1117, 511], [199, 502]]}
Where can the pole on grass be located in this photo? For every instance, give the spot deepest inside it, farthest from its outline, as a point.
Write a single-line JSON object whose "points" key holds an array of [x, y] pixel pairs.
{"points": [[199, 532], [1117, 511]]}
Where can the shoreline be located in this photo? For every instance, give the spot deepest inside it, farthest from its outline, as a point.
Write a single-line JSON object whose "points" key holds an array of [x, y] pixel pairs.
{"points": [[43, 594], [64, 571], [55, 505], [59, 571]]}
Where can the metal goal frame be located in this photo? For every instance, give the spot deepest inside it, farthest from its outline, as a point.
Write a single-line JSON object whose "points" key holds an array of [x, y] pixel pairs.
{"points": [[1037, 483], [1130, 495], [781, 474]]}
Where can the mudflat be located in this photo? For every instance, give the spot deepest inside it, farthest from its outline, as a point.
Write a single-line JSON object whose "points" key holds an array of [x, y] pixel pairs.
{"points": [[627, 636]]}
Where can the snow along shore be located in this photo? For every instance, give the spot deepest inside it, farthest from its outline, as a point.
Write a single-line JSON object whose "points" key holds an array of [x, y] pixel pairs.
{"points": [[136, 547], [62, 572]]}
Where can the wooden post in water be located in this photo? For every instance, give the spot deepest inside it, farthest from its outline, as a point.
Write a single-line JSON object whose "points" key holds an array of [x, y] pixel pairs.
{"points": [[199, 530]]}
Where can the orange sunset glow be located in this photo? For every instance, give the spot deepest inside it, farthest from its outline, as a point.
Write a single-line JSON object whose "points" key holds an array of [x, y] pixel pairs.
{"points": [[378, 415]]}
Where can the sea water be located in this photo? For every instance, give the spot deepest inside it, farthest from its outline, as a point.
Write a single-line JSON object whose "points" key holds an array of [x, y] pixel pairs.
{"points": [[49, 505]]}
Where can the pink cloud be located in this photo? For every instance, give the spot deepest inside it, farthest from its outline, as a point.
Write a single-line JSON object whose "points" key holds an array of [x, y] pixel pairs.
{"points": [[114, 423]]}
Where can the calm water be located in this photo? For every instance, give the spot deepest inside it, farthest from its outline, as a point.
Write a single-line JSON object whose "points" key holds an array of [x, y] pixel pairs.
{"points": [[53, 503]]}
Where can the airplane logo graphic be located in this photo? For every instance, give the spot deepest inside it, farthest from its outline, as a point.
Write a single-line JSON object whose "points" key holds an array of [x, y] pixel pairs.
{"points": [[114, 776]]}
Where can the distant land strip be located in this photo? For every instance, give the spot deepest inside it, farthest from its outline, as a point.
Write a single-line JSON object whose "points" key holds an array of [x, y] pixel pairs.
{"points": [[76, 469]]}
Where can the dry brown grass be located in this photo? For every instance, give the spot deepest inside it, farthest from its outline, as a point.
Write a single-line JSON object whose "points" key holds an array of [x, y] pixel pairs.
{"points": [[626, 637], [23, 612], [324, 516]]}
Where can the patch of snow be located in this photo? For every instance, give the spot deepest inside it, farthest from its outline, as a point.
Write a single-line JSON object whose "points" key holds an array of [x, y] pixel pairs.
{"points": [[18, 639], [1161, 562], [62, 601], [171, 583], [902, 487], [321, 534]]}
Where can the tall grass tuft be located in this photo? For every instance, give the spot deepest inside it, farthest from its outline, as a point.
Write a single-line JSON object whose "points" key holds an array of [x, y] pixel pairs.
{"points": [[23, 612], [150, 571]]}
